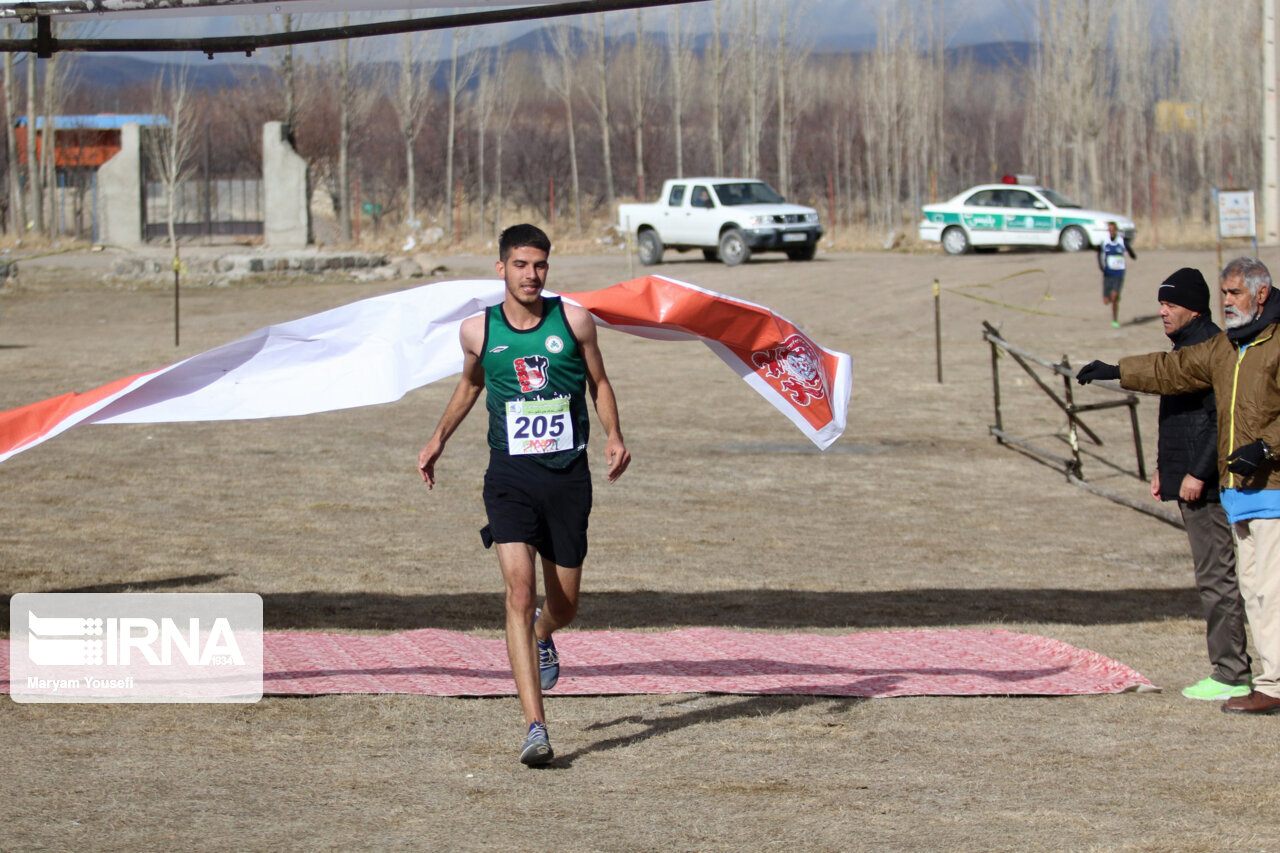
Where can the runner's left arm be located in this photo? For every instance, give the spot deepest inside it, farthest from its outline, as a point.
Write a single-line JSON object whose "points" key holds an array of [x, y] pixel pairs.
{"points": [[615, 449]]}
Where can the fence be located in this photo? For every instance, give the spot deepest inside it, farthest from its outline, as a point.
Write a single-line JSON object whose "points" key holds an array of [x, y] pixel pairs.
{"points": [[1071, 466]]}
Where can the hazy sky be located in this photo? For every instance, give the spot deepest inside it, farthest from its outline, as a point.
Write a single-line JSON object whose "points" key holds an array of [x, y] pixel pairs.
{"points": [[820, 21]]}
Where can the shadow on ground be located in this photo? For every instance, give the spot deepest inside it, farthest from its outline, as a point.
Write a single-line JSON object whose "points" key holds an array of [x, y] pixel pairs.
{"points": [[636, 728], [739, 608]]}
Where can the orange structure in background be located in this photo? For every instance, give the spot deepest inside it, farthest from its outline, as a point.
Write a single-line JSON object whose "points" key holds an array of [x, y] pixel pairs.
{"points": [[83, 141]]}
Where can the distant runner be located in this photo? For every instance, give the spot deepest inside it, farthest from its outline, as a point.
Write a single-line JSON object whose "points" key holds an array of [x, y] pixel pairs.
{"points": [[1111, 252]]}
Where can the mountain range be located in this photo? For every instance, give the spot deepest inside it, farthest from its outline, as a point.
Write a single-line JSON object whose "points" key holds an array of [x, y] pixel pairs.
{"points": [[128, 71]]}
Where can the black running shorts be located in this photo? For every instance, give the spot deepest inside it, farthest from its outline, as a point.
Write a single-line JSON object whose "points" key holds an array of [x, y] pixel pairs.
{"points": [[530, 503]]}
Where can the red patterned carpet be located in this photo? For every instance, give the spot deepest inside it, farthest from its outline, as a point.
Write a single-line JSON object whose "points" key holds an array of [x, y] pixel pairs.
{"points": [[701, 660], [696, 660]]}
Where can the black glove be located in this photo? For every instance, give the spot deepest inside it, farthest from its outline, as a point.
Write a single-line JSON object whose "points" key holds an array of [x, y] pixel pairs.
{"points": [[1247, 458], [1097, 371]]}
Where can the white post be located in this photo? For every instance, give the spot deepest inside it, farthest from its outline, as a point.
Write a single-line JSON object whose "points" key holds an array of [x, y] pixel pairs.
{"points": [[1270, 173]]}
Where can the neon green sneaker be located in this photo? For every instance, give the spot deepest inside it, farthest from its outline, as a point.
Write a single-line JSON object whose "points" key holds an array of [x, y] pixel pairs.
{"points": [[1213, 690]]}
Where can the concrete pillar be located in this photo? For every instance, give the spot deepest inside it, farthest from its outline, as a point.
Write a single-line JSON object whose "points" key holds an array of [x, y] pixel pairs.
{"points": [[286, 210], [120, 186]]}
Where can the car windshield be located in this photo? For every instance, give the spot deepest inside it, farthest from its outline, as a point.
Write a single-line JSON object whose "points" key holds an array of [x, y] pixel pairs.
{"points": [[1057, 200], [747, 192]]}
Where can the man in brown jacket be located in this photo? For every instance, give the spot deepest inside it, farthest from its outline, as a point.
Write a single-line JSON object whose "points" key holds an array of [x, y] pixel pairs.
{"points": [[1242, 366]]}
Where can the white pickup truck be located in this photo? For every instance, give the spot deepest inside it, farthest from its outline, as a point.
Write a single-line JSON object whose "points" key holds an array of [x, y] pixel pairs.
{"points": [[727, 218]]}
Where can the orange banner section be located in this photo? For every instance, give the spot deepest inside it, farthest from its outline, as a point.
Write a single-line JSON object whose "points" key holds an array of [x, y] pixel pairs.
{"points": [[26, 424], [781, 355]]}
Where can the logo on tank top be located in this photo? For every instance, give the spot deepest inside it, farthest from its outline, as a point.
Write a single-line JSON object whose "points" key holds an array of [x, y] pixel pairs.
{"points": [[554, 344], [531, 371]]}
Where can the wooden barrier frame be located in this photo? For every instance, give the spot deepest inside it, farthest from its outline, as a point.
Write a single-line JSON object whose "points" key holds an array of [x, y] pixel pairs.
{"points": [[1071, 466]]}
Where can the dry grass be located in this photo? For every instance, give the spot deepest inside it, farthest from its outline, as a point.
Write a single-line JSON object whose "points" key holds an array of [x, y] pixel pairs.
{"points": [[727, 518]]}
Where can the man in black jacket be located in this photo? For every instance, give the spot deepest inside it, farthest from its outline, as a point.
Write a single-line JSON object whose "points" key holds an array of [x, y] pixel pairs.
{"points": [[1187, 471]]}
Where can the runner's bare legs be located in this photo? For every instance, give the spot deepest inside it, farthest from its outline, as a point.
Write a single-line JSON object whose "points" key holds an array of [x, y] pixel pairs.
{"points": [[516, 560]]}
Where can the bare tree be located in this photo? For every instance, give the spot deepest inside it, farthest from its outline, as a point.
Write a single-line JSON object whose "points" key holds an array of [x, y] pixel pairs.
{"points": [[35, 198], [751, 163], [284, 63], [461, 70], [412, 96], [487, 106], [17, 215], [169, 150], [599, 100], [289, 78], [680, 61], [557, 73], [788, 60], [1135, 77], [716, 85], [56, 84], [1202, 36], [346, 94], [507, 99], [641, 77]]}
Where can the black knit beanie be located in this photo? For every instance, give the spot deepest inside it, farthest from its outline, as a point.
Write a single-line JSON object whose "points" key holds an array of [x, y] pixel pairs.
{"points": [[1187, 288]]}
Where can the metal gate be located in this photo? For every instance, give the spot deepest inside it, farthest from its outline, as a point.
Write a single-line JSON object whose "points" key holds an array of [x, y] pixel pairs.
{"points": [[205, 207], [215, 201]]}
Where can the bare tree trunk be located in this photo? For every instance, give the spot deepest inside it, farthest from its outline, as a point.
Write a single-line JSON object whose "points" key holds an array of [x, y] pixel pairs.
{"points": [[677, 62], [410, 105], [409, 130], [460, 74], [639, 80], [753, 93], [557, 73], [717, 93], [49, 142], [286, 72], [345, 96], [600, 104], [482, 125], [784, 120], [35, 207], [939, 45], [17, 215], [169, 150], [450, 132], [508, 101]]}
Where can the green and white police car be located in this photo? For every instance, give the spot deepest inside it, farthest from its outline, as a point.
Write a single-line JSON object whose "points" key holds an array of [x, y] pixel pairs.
{"points": [[992, 215]]}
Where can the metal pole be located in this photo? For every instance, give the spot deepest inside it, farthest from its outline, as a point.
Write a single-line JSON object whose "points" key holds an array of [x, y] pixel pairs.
{"points": [[1137, 438], [995, 380], [937, 327], [176, 269], [1073, 434]]}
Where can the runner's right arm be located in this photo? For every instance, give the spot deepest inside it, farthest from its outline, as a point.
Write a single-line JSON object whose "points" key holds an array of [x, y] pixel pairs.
{"points": [[470, 384]]}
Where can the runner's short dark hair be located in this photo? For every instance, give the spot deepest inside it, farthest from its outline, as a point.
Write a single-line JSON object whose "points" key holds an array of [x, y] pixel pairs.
{"points": [[522, 235]]}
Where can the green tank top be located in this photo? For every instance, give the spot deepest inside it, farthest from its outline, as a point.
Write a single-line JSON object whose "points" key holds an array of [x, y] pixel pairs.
{"points": [[535, 387]]}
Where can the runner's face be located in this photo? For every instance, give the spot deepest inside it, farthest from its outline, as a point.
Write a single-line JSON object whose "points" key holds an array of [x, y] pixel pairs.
{"points": [[525, 272]]}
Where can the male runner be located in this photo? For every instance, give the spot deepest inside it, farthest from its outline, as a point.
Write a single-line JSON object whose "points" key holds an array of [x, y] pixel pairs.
{"points": [[1111, 252], [536, 358]]}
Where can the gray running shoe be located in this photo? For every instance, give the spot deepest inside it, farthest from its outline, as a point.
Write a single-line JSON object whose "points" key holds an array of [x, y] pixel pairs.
{"points": [[537, 747], [548, 659]]}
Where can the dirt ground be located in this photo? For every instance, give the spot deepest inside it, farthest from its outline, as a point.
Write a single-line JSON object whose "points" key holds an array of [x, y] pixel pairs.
{"points": [[728, 518]]}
